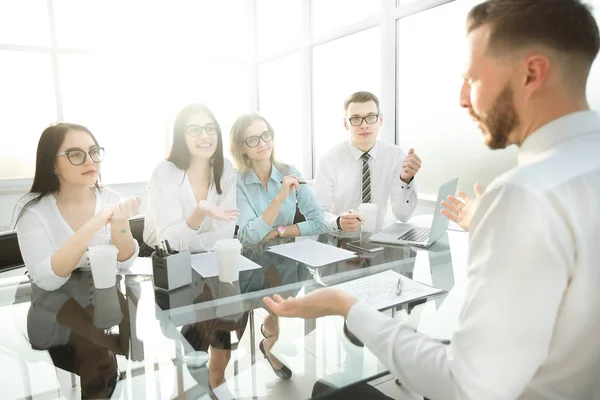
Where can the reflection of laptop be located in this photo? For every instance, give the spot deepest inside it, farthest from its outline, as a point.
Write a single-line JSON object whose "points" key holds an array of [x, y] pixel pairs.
{"points": [[417, 235]]}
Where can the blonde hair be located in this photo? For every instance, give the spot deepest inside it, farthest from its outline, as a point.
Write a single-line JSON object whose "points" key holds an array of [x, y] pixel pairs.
{"points": [[241, 161]]}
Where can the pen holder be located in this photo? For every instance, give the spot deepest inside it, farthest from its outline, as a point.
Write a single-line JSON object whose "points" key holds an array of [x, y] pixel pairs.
{"points": [[172, 271]]}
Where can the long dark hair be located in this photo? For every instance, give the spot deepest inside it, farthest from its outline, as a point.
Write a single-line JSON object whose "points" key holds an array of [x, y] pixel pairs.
{"points": [[45, 180], [180, 155]]}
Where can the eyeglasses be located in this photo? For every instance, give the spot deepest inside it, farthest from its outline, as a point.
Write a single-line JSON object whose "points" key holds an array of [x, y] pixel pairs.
{"points": [[196, 130], [78, 156], [99, 383], [254, 141], [357, 121]]}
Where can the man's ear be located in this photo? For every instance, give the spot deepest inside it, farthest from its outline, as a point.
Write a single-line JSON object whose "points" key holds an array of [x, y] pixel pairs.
{"points": [[537, 69], [346, 124]]}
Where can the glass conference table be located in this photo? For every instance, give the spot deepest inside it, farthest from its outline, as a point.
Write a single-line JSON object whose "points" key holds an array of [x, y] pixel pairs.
{"points": [[204, 340]]}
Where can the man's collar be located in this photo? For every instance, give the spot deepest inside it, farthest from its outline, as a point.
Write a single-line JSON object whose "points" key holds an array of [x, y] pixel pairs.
{"points": [[558, 130], [357, 153]]}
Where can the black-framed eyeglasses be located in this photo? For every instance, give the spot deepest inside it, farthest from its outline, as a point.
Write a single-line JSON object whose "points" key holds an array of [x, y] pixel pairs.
{"points": [[254, 141], [196, 130], [357, 121], [78, 156]]}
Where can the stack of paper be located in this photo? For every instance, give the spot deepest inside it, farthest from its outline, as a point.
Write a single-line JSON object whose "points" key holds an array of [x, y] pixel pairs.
{"points": [[312, 253], [381, 290], [206, 264]]}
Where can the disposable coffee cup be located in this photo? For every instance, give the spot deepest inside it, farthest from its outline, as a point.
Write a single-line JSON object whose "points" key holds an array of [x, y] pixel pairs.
{"points": [[228, 259], [368, 212], [103, 261]]}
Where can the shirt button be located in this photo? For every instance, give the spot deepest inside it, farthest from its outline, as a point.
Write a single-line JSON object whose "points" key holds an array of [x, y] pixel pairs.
{"points": [[408, 187], [407, 201], [402, 187]]}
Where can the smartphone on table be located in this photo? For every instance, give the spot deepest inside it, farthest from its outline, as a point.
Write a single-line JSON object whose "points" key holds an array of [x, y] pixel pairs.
{"points": [[365, 246]]}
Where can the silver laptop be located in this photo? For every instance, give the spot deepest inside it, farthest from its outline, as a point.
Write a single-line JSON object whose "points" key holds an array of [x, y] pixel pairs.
{"points": [[419, 236]]}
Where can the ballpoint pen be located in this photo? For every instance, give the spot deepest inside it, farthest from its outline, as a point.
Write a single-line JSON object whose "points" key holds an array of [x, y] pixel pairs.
{"points": [[399, 287], [358, 218]]}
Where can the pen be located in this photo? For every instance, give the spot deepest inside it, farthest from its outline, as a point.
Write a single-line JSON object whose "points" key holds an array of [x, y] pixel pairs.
{"points": [[157, 250], [350, 212], [169, 250], [300, 183], [399, 287]]}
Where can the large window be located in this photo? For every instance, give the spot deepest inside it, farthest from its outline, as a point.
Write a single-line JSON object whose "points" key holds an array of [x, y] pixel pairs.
{"points": [[430, 118], [328, 15], [123, 69], [27, 104], [281, 94], [278, 25], [342, 67]]}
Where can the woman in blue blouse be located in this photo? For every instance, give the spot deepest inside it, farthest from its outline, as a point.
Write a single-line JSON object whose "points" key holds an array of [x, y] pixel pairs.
{"points": [[268, 190]]}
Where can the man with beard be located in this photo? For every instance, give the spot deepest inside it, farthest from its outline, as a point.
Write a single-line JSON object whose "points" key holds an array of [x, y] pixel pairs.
{"points": [[529, 324]]}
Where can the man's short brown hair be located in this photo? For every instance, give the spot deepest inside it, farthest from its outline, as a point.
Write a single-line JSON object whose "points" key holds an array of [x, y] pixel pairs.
{"points": [[361, 97], [566, 26]]}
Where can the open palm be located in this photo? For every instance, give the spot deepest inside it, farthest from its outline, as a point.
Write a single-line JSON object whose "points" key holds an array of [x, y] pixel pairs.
{"points": [[218, 213], [461, 210]]}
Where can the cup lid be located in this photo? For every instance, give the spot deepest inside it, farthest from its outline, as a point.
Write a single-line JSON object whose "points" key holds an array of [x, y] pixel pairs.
{"points": [[103, 248]]}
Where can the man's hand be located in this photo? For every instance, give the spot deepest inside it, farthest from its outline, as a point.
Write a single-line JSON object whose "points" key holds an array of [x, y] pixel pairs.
{"points": [[350, 221], [320, 303], [461, 211], [410, 166]]}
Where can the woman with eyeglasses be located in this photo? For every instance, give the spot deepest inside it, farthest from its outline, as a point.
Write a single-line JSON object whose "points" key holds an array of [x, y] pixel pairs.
{"points": [[67, 211], [192, 201], [269, 191]]}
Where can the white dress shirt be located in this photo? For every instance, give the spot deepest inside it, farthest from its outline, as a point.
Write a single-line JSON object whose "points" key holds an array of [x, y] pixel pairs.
{"points": [[172, 200], [530, 324], [42, 230], [338, 185]]}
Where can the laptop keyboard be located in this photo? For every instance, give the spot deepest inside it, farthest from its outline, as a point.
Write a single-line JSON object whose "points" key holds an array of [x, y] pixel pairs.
{"points": [[416, 234]]}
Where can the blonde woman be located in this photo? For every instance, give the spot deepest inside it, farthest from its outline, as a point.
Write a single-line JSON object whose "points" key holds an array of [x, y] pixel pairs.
{"points": [[267, 190]]}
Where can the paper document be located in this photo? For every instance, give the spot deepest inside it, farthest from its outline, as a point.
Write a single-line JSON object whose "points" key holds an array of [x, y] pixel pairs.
{"points": [[380, 290], [312, 253], [206, 264]]}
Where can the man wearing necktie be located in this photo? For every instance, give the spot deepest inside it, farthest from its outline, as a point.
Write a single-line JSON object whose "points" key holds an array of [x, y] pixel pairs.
{"points": [[365, 170]]}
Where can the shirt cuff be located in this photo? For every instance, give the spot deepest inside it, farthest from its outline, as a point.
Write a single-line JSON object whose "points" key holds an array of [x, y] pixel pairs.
{"points": [[365, 322], [407, 188], [331, 222]]}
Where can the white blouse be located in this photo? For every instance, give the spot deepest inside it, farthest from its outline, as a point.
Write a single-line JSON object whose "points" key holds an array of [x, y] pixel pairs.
{"points": [[172, 200], [42, 230]]}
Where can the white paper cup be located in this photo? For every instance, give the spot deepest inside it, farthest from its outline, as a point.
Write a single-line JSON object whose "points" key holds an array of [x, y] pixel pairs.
{"points": [[369, 213], [228, 259], [103, 260]]}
